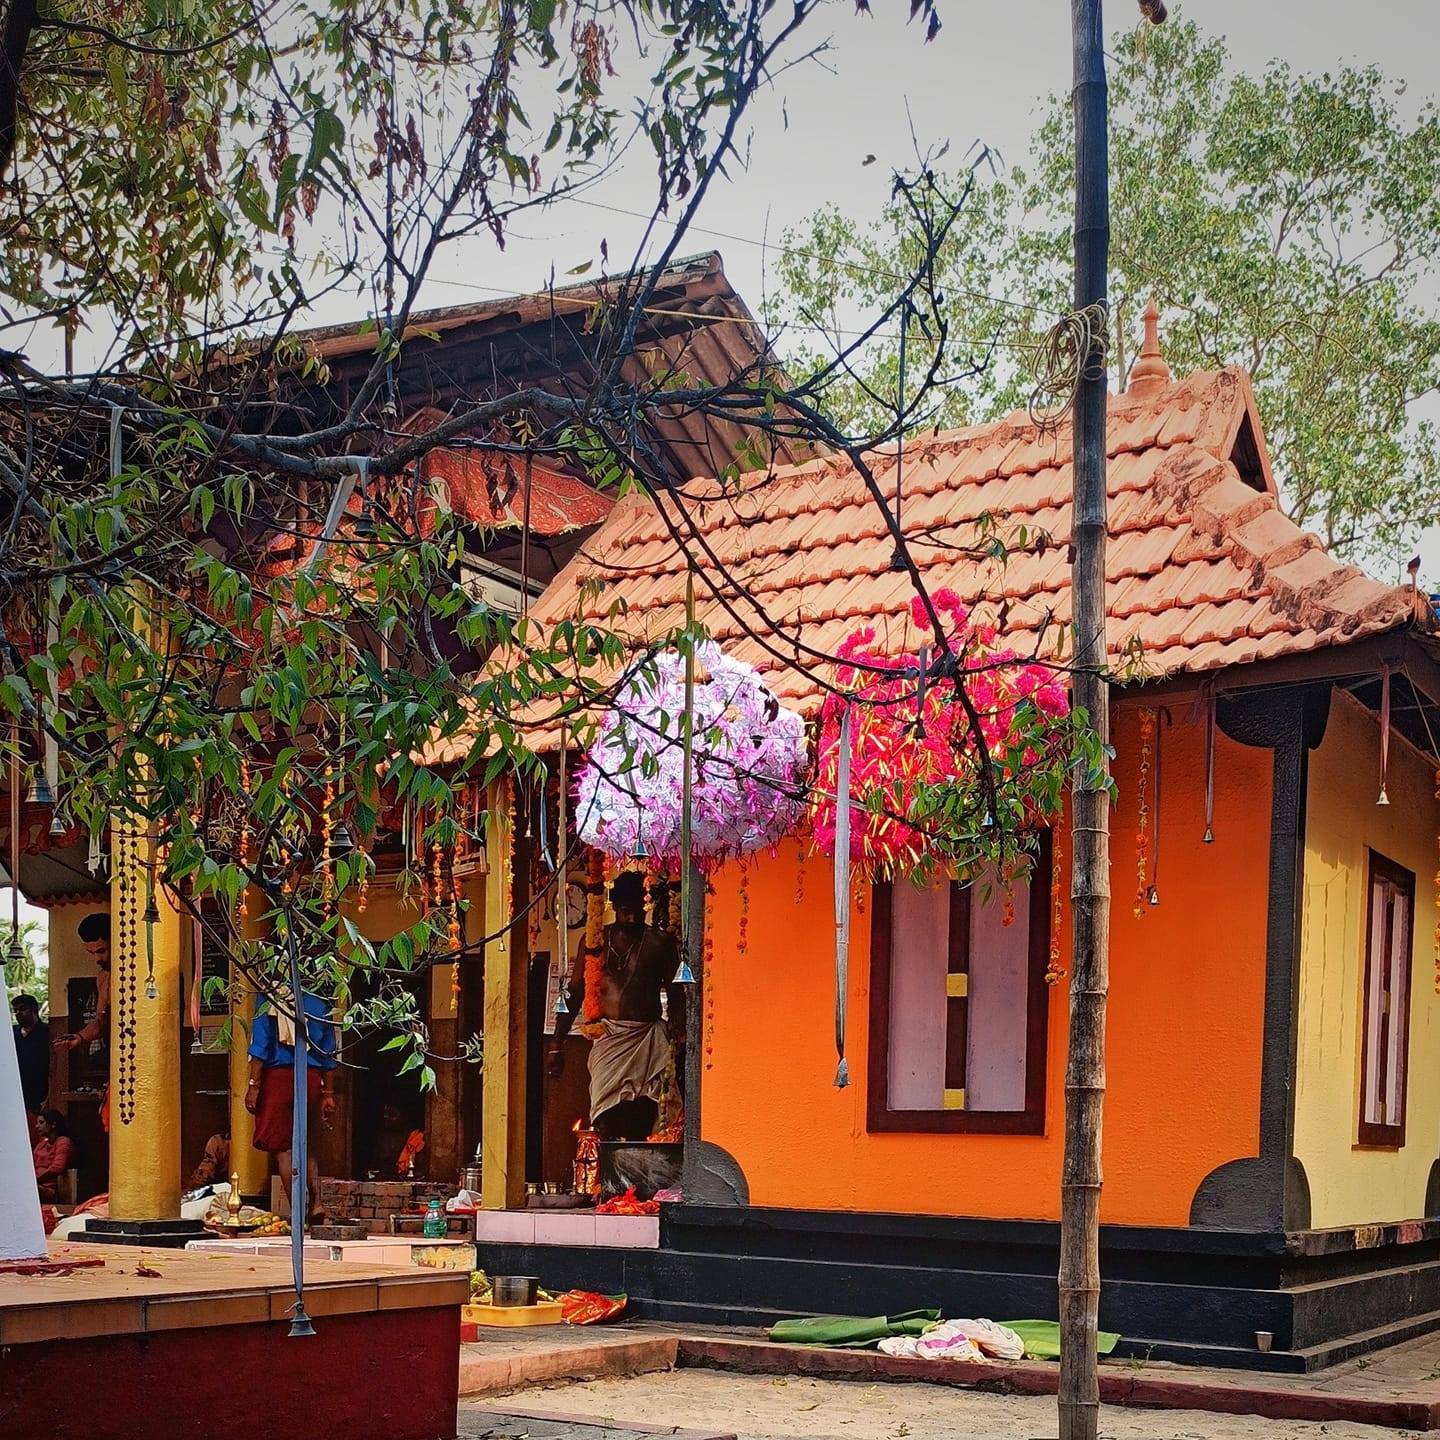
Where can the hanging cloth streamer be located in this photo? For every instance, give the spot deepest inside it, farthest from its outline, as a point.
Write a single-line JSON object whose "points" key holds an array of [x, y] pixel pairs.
{"points": [[562, 882], [689, 942], [842, 897], [117, 440], [1384, 799], [1209, 835]]}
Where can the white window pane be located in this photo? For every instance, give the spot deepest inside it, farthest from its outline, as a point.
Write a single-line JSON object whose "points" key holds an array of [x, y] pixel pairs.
{"points": [[1374, 1003], [1399, 980], [919, 961], [999, 1001]]}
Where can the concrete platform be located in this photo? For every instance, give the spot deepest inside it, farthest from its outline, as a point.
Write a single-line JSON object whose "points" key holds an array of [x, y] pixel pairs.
{"points": [[500, 1361]]}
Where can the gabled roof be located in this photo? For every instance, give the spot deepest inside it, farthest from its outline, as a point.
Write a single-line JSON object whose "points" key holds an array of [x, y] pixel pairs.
{"points": [[694, 325], [1204, 569]]}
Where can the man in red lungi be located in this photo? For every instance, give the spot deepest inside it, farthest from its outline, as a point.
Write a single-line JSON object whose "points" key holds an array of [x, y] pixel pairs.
{"points": [[270, 1096]]}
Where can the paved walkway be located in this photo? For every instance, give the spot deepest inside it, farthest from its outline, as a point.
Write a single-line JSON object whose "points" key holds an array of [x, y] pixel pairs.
{"points": [[1397, 1388]]}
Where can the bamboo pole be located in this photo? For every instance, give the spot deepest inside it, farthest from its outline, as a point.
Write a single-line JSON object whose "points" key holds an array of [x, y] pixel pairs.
{"points": [[1081, 1177]]}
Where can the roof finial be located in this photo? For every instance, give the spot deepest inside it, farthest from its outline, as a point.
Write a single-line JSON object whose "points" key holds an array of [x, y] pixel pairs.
{"points": [[1149, 372]]}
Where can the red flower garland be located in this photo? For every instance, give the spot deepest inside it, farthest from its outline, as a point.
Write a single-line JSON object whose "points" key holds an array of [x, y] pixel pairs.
{"points": [[901, 755]]}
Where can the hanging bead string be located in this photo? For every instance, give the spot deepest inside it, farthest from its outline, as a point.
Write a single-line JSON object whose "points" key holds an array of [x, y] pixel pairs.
{"points": [[1007, 914], [246, 841], [742, 942], [1142, 824], [125, 974], [800, 872], [1054, 970]]}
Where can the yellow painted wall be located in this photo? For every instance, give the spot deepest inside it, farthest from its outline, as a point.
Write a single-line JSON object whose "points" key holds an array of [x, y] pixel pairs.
{"points": [[68, 958], [1349, 1184]]}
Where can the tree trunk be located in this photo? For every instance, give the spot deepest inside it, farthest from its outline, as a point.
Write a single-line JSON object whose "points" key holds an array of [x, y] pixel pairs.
{"points": [[1090, 845]]}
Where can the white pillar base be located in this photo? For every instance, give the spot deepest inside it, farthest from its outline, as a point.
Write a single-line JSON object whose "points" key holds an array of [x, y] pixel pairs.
{"points": [[22, 1233]]}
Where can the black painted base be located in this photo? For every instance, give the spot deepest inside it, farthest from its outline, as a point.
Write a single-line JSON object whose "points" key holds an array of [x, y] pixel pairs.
{"points": [[162, 1234], [1195, 1296]]}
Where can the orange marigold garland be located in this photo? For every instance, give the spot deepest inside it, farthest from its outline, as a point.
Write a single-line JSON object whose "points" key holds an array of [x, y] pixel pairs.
{"points": [[452, 935], [594, 942], [1437, 897], [1054, 970], [1142, 832], [327, 836]]}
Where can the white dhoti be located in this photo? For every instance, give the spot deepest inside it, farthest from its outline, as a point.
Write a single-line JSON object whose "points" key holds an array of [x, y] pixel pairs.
{"points": [[628, 1061]]}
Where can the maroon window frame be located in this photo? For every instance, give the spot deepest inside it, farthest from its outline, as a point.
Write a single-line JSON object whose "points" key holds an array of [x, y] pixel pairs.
{"points": [[1387, 880], [1029, 1121]]}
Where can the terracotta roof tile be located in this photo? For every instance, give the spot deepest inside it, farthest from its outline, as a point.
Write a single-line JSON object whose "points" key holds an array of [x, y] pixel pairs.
{"points": [[1205, 570]]}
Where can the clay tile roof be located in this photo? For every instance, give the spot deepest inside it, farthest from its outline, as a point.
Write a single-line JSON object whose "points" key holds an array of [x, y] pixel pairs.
{"points": [[1205, 570]]}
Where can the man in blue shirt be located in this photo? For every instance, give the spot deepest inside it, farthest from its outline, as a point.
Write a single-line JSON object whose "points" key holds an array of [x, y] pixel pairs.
{"points": [[270, 1096]]}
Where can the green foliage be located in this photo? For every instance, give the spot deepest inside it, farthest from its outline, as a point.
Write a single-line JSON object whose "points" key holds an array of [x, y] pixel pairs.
{"points": [[30, 975], [1287, 223], [188, 171]]}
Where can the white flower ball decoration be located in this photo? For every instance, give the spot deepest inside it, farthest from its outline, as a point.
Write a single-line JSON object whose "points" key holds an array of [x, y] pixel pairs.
{"points": [[750, 762]]}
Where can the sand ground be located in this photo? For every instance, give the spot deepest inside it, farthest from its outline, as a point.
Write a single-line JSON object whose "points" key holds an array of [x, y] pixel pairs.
{"points": [[756, 1407]]}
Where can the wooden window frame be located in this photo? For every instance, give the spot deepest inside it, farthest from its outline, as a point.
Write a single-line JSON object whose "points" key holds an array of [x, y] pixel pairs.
{"points": [[1389, 1135], [1029, 1121]]}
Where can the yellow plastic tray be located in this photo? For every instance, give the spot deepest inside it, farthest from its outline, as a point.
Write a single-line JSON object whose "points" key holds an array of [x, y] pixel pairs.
{"points": [[544, 1313]]}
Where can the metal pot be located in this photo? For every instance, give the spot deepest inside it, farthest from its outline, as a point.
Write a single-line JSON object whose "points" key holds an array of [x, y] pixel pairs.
{"points": [[470, 1179], [514, 1289]]}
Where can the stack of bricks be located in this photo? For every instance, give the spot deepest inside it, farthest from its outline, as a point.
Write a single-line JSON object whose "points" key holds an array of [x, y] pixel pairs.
{"points": [[371, 1203]]}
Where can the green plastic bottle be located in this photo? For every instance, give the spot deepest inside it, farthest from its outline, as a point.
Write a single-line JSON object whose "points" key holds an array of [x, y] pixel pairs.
{"points": [[435, 1227]]}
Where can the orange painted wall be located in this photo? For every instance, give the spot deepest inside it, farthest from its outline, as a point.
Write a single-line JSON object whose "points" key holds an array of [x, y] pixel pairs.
{"points": [[1186, 1003]]}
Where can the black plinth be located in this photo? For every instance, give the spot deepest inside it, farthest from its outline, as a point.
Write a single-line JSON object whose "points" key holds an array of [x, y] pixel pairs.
{"points": [[163, 1234]]}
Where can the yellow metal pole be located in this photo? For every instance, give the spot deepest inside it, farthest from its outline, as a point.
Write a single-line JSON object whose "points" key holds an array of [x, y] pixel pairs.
{"points": [[250, 1164], [503, 1075], [144, 1036]]}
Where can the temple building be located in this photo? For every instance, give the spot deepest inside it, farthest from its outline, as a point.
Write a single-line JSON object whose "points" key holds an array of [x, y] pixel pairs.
{"points": [[1270, 1151], [173, 1080]]}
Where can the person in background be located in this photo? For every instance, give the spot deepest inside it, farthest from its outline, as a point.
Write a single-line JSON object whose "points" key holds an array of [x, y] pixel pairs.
{"points": [[32, 1049], [214, 1166], [94, 933], [53, 1154], [270, 1096], [391, 1137]]}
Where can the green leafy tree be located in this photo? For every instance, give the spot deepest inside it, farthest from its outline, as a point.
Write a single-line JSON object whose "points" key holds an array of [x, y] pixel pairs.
{"points": [[1287, 223], [229, 610], [30, 974]]}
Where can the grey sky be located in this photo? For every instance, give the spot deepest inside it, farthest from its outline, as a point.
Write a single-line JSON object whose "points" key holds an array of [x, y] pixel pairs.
{"points": [[984, 79]]}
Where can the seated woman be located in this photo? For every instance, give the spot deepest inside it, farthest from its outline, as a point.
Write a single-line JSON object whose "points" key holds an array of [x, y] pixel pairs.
{"points": [[53, 1154]]}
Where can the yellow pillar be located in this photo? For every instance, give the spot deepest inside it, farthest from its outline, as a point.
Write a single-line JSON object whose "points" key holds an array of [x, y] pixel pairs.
{"points": [[503, 1075], [144, 1037], [250, 1164]]}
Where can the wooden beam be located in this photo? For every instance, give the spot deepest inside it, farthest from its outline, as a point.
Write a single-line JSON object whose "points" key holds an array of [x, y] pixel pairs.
{"points": [[503, 1076]]}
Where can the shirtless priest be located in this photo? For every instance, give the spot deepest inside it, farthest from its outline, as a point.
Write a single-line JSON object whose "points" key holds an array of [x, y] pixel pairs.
{"points": [[630, 1055]]}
